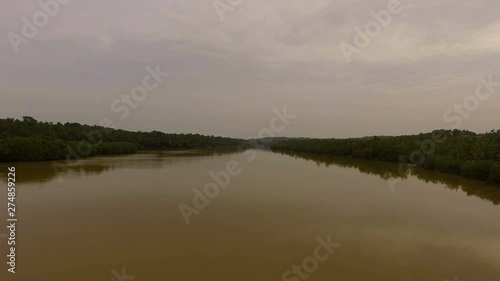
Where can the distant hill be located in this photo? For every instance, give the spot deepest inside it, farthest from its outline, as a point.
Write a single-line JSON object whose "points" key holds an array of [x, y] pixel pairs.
{"points": [[266, 142]]}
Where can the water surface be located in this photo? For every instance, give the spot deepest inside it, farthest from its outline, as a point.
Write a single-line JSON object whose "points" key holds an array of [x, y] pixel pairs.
{"points": [[122, 212]]}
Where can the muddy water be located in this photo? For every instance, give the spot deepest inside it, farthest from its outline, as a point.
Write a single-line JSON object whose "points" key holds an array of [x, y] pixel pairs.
{"points": [[110, 216]]}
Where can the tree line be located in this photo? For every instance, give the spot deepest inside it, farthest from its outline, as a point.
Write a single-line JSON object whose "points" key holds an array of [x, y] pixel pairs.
{"points": [[31, 140], [455, 151]]}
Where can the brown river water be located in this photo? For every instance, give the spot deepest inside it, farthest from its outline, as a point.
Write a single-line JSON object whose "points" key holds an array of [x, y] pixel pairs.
{"points": [[280, 216]]}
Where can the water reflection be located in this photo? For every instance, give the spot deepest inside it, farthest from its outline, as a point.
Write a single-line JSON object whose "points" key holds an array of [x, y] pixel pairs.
{"points": [[119, 211], [45, 172], [390, 170]]}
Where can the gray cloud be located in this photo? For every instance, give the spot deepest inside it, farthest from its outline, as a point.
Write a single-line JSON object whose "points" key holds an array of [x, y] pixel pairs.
{"points": [[227, 76]]}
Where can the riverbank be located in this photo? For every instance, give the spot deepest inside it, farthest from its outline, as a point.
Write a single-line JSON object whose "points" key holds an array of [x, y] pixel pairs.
{"points": [[464, 153], [30, 140]]}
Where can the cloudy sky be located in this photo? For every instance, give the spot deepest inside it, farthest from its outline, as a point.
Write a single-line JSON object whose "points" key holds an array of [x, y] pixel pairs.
{"points": [[230, 68]]}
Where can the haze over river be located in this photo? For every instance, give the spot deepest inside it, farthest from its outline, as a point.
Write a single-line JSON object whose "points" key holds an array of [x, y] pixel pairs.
{"points": [[122, 212]]}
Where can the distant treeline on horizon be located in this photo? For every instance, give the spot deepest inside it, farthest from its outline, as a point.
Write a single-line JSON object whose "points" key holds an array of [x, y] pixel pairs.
{"points": [[31, 140], [451, 151]]}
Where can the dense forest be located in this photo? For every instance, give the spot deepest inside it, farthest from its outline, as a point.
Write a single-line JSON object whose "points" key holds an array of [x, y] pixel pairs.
{"points": [[31, 140], [451, 151]]}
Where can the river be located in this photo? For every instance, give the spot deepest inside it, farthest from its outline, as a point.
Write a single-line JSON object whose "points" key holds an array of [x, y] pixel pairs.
{"points": [[282, 216]]}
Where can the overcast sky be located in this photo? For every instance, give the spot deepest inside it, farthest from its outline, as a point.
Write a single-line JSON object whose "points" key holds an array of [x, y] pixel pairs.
{"points": [[227, 75]]}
